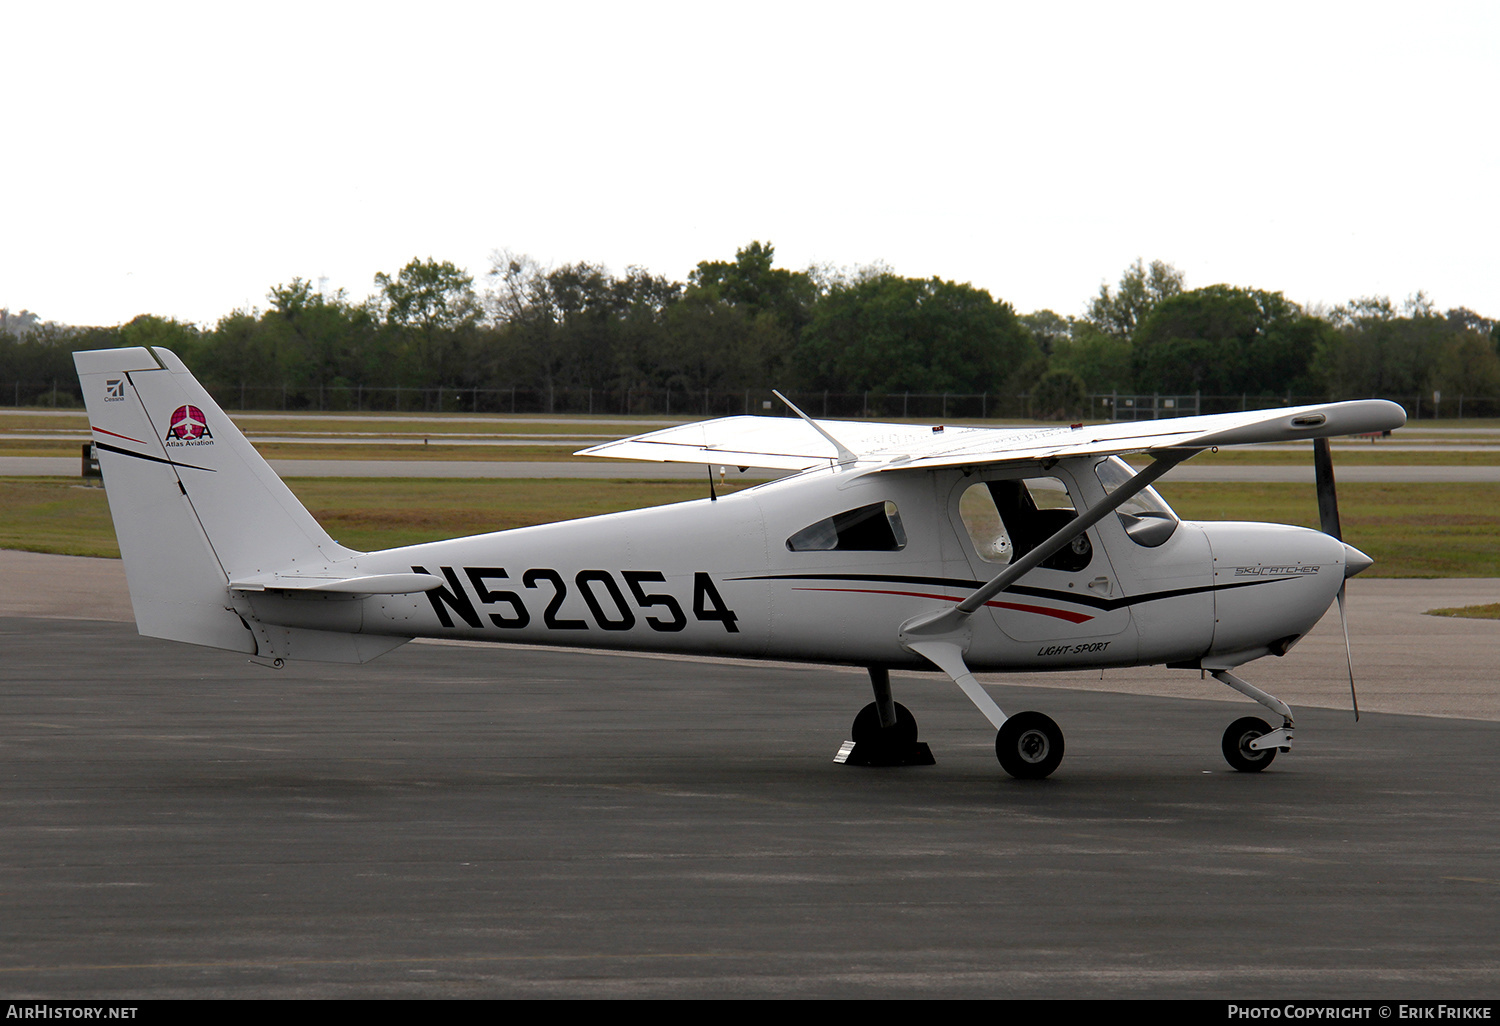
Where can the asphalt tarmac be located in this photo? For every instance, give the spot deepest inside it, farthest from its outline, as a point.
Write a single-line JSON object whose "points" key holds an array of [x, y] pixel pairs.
{"points": [[485, 821]]}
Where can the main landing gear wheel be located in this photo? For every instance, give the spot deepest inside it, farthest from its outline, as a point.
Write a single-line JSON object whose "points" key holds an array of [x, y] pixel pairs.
{"points": [[867, 728], [1029, 746], [1237, 750], [874, 745]]}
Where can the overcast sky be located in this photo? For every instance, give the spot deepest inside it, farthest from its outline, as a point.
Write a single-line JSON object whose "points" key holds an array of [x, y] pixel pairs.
{"points": [[180, 159]]}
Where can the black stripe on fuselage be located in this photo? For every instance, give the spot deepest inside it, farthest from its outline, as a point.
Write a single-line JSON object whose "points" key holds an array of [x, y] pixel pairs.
{"points": [[1092, 601]]}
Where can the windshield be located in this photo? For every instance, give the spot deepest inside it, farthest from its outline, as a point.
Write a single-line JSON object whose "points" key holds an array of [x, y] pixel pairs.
{"points": [[1114, 472]]}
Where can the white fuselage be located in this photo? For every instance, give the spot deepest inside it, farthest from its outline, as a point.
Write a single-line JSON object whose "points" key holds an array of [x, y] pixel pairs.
{"points": [[719, 577]]}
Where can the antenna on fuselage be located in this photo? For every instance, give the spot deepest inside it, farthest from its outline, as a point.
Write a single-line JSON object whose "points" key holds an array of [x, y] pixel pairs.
{"points": [[846, 455]]}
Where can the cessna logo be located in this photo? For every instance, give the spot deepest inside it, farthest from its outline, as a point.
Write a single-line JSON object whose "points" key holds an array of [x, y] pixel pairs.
{"points": [[189, 427], [114, 390]]}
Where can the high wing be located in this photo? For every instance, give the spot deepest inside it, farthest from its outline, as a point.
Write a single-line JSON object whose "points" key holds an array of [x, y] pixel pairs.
{"points": [[777, 443], [787, 443]]}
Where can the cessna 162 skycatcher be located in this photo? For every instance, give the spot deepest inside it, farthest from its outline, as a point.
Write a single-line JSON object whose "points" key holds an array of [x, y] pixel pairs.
{"points": [[888, 546]]}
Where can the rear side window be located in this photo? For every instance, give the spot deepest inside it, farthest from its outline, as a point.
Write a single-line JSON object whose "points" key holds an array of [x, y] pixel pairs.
{"points": [[873, 528]]}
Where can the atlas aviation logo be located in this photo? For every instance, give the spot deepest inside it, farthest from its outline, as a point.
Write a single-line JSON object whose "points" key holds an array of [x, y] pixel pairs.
{"points": [[189, 427]]}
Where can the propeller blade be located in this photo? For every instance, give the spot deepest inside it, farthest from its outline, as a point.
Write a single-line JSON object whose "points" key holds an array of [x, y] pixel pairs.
{"points": [[1328, 520], [1328, 502], [1348, 652]]}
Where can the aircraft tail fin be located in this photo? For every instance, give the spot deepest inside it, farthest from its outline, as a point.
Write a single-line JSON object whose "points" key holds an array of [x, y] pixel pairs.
{"points": [[194, 505]]}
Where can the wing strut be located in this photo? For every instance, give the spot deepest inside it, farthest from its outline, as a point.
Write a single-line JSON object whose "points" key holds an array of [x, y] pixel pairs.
{"points": [[942, 636], [845, 454]]}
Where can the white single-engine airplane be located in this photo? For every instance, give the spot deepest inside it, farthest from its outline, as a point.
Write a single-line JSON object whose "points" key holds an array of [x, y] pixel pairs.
{"points": [[889, 546]]}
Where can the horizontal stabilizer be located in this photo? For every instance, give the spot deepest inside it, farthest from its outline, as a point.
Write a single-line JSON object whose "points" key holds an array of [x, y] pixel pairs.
{"points": [[372, 584]]}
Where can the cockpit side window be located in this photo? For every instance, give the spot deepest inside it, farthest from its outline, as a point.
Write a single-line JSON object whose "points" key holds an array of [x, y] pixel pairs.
{"points": [[873, 528], [1007, 519]]}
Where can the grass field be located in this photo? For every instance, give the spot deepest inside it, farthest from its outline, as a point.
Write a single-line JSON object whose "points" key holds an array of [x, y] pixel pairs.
{"points": [[1434, 530], [1485, 612], [1410, 530]]}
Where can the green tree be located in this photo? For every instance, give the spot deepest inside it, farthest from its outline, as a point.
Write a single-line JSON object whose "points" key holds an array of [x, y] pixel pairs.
{"points": [[754, 286], [1101, 361], [303, 339], [430, 308], [708, 345], [150, 330], [528, 344], [1224, 340], [1059, 395], [1467, 365], [1462, 319], [1118, 312], [36, 361], [576, 325], [237, 354], [1048, 329], [425, 293], [1378, 350], [906, 334], [750, 313]]}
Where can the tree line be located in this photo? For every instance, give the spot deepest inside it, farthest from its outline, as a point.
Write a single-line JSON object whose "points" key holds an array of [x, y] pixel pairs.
{"points": [[747, 324]]}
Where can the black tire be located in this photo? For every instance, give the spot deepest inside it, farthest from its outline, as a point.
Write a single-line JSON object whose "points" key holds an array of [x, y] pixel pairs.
{"points": [[1029, 746], [1236, 745], [867, 728]]}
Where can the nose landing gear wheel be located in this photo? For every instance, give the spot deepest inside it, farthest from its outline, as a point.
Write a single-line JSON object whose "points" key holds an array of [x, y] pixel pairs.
{"points": [[1029, 746], [1236, 745]]}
